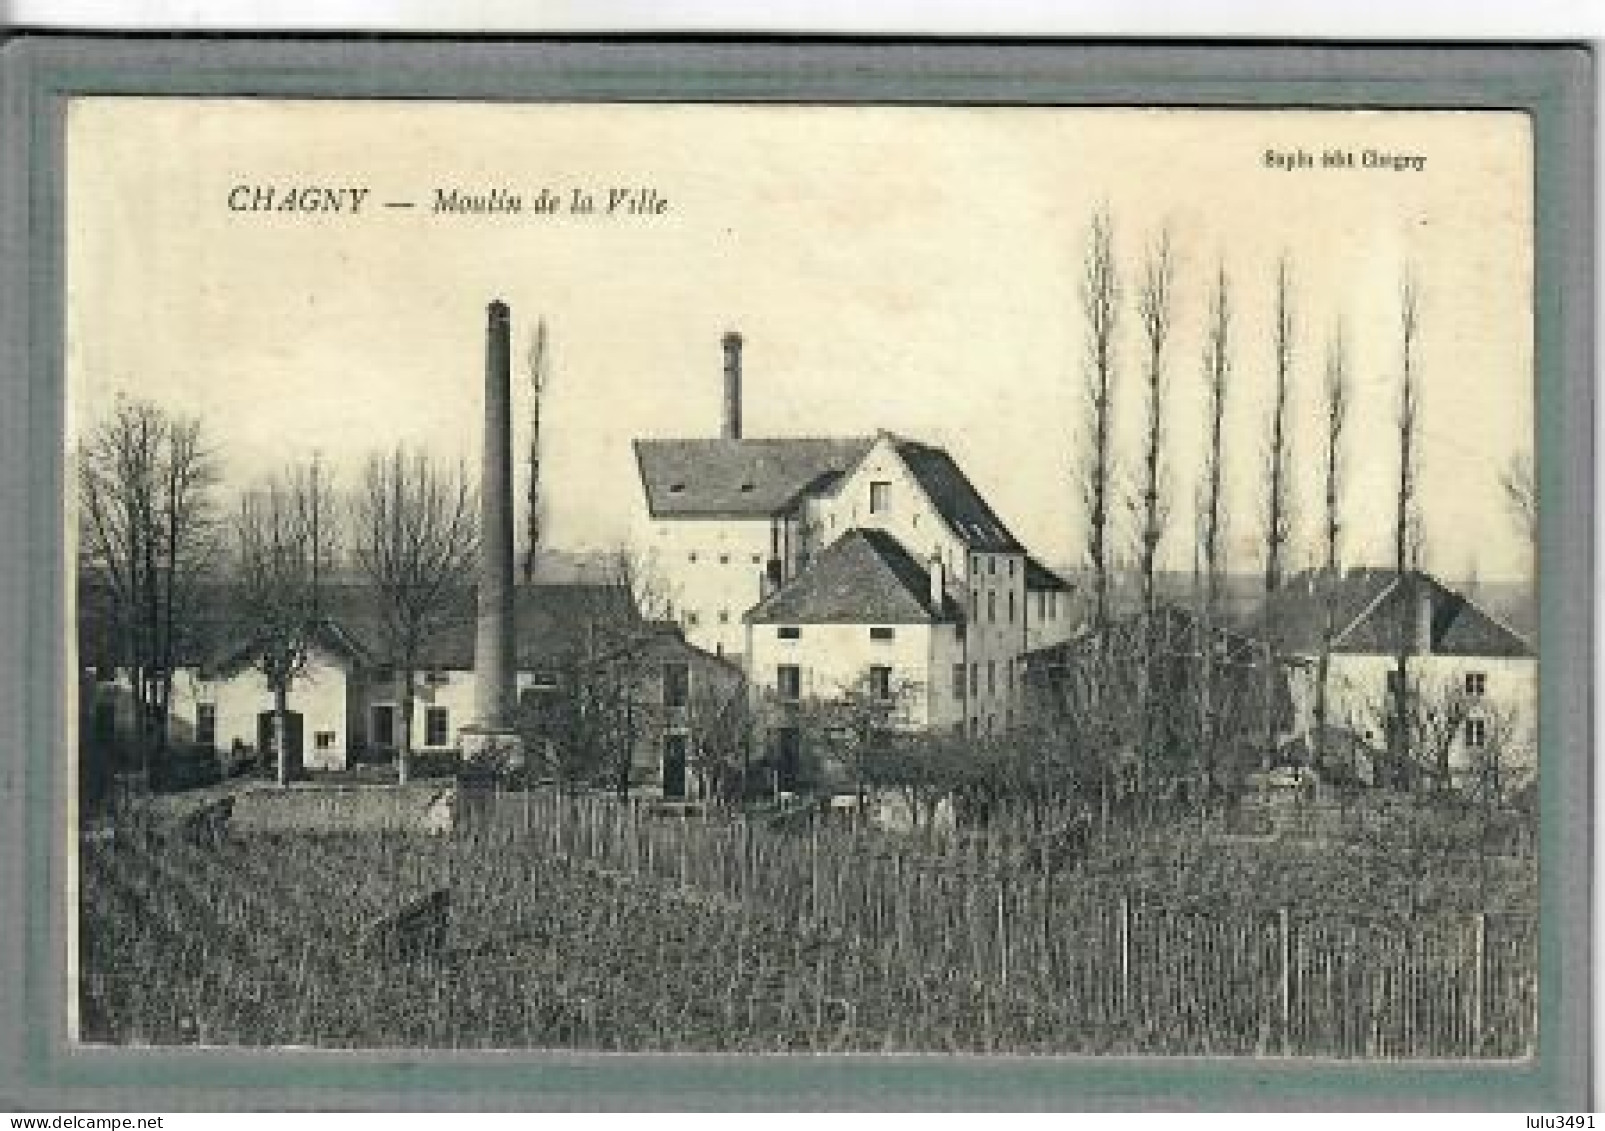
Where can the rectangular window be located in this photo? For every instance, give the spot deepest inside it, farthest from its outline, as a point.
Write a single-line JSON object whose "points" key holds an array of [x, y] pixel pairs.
{"points": [[882, 634], [958, 681], [880, 497], [691, 618], [724, 616], [789, 632], [992, 605], [1476, 683], [1476, 733], [975, 678], [1011, 567], [788, 681], [436, 678], [880, 683], [437, 726], [323, 739], [1008, 676], [991, 677], [1011, 606], [205, 724], [676, 685], [991, 565], [1053, 606], [724, 559]]}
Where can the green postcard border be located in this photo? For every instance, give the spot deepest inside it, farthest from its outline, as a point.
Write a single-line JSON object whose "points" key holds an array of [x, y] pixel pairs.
{"points": [[1553, 84]]}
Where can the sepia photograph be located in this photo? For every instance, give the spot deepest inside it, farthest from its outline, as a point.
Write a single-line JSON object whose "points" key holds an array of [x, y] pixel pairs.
{"points": [[758, 578]]}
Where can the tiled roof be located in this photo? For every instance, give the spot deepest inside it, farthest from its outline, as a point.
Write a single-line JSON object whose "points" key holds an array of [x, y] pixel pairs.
{"points": [[956, 499], [864, 577], [730, 478], [1039, 576], [1369, 609]]}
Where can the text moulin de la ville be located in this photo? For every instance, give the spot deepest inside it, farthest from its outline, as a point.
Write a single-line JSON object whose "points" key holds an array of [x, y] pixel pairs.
{"points": [[356, 200]]}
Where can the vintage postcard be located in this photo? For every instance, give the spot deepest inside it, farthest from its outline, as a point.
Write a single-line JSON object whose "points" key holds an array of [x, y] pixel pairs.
{"points": [[754, 578]]}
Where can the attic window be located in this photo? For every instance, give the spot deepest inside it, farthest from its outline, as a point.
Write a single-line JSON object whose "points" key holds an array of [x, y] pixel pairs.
{"points": [[676, 488], [882, 634], [788, 632], [746, 488]]}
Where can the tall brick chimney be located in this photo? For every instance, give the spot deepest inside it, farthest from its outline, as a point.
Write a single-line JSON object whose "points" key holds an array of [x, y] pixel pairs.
{"points": [[732, 386], [494, 681]]}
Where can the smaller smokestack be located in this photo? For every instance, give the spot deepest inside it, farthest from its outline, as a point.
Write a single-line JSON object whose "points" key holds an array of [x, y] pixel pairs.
{"points": [[938, 582], [732, 386], [1423, 618]]}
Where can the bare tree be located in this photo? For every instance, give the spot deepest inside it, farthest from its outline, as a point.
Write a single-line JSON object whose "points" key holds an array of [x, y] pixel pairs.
{"points": [[1336, 398], [1100, 304], [281, 533], [719, 722], [1521, 494], [538, 366], [414, 536], [1154, 313], [1406, 524], [1277, 501], [1217, 368], [148, 540]]}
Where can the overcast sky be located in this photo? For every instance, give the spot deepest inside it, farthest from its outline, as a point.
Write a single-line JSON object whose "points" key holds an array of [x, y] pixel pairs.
{"points": [[909, 269]]}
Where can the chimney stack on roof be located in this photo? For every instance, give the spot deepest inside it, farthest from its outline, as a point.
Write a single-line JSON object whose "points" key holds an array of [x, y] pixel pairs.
{"points": [[732, 386]]}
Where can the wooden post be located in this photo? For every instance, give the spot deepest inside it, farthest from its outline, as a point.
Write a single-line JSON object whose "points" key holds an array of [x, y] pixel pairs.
{"points": [[1125, 957], [1479, 978], [1003, 933], [1285, 939], [813, 873]]}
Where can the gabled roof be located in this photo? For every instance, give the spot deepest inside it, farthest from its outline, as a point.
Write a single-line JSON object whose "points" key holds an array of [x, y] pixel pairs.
{"points": [[956, 499], [1039, 576], [1369, 608], [720, 478], [864, 577]]}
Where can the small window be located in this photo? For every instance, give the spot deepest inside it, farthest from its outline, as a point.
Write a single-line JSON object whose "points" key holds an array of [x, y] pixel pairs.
{"points": [[676, 488], [880, 497], [323, 740], [789, 632], [1011, 567], [676, 685], [437, 726], [724, 616], [975, 678], [205, 724], [691, 618], [991, 565], [757, 559], [788, 682], [746, 488], [992, 605], [724, 559], [882, 634], [991, 680], [1011, 606], [880, 683], [1053, 606], [1476, 683], [437, 679], [975, 726], [1008, 676], [691, 557], [958, 681], [1476, 733]]}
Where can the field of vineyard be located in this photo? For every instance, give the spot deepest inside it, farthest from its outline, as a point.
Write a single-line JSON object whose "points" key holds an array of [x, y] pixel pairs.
{"points": [[580, 923]]}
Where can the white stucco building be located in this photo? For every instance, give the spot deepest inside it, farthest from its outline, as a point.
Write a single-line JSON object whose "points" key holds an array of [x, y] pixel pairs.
{"points": [[1462, 661], [830, 563]]}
